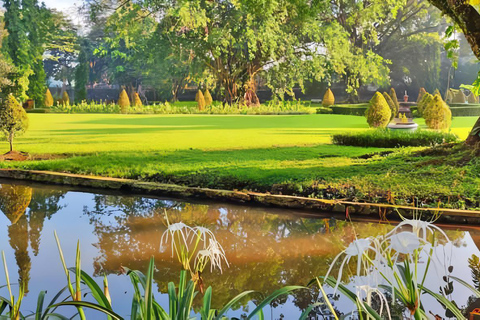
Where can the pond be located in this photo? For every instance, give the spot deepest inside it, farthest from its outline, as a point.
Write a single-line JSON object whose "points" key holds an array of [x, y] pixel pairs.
{"points": [[266, 248]]}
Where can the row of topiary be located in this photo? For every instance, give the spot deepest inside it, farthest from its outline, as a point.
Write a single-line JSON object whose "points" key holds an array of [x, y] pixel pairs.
{"points": [[49, 101], [123, 100], [203, 99], [435, 111], [383, 108]]}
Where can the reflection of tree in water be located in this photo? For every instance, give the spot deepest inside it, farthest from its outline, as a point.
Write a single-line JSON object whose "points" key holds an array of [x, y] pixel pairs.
{"points": [[265, 251], [27, 226]]}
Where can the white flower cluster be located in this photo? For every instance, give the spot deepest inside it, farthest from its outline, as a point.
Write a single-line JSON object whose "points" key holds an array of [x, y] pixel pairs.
{"points": [[385, 261], [187, 242]]}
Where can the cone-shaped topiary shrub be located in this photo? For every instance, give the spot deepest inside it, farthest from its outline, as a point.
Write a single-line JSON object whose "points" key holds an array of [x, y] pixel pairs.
{"points": [[393, 95], [201, 100], [391, 105], [13, 119], [65, 98], [378, 113], [48, 99], [472, 98], [426, 100], [138, 101], [196, 95], [421, 93], [459, 97], [328, 98], [437, 114], [123, 101], [449, 96], [436, 92], [208, 98]]}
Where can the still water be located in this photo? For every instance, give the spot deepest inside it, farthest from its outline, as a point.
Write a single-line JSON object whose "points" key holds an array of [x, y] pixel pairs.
{"points": [[266, 248]]}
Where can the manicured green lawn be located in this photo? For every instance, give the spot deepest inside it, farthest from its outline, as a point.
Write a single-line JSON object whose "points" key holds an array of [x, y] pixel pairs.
{"points": [[253, 152]]}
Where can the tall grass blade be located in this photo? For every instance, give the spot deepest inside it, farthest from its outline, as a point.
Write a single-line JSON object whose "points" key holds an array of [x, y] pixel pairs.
{"points": [[90, 305], [270, 298], [229, 305], [148, 290], [40, 300], [445, 302]]}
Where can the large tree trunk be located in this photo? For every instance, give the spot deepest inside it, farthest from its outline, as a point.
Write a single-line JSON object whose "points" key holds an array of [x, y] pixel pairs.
{"points": [[468, 19]]}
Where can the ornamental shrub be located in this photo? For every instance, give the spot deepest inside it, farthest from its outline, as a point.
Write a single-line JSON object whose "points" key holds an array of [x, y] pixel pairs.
{"points": [[437, 114], [328, 98], [449, 96], [201, 100], [138, 101], [378, 113], [472, 98], [196, 95], [65, 98], [386, 138], [421, 93], [48, 99], [13, 119], [208, 98], [391, 104], [393, 95], [459, 97], [426, 100], [123, 101]]}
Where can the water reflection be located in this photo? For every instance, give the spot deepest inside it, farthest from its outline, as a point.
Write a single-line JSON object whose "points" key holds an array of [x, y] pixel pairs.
{"points": [[27, 210], [266, 249]]}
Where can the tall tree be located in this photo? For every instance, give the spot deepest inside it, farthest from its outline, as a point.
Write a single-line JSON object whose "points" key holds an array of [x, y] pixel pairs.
{"points": [[33, 19], [467, 17], [16, 47], [82, 72]]}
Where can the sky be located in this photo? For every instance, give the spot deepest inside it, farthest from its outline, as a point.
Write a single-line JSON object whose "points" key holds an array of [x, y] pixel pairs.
{"points": [[61, 4]]}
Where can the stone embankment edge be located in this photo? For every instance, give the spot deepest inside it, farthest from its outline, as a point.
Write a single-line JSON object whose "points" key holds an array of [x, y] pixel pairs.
{"points": [[349, 208]]}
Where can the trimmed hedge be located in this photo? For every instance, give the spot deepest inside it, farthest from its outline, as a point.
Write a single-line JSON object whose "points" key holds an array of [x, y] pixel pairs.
{"points": [[386, 138], [350, 109], [465, 111]]}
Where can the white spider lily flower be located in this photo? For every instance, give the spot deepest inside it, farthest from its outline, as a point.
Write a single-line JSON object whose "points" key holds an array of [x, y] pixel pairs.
{"points": [[405, 242], [179, 229], [204, 234], [355, 249], [369, 291], [214, 253], [419, 227]]}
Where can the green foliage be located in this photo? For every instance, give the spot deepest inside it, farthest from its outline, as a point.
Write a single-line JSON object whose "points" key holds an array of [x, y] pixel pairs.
{"points": [[13, 119], [474, 265], [48, 102], [208, 98], [81, 75], [437, 114], [391, 104], [393, 95], [200, 100], [65, 98], [123, 101], [272, 108], [324, 110], [378, 113], [385, 138], [328, 98], [350, 109], [426, 100]]}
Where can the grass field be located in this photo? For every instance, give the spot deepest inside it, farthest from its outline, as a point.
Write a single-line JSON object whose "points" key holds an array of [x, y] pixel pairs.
{"points": [[253, 152]]}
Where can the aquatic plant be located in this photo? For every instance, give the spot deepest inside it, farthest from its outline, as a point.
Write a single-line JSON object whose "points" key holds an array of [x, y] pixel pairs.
{"points": [[389, 263]]}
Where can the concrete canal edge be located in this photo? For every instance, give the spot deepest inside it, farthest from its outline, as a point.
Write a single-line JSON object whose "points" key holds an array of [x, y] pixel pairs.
{"points": [[339, 206]]}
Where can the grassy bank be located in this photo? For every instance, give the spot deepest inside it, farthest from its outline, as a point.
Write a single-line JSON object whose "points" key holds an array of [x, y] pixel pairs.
{"points": [[287, 154]]}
